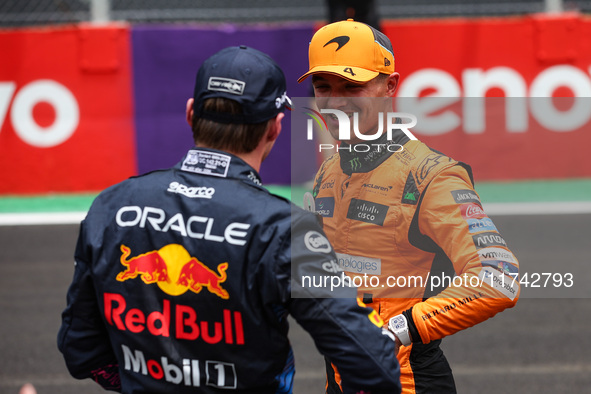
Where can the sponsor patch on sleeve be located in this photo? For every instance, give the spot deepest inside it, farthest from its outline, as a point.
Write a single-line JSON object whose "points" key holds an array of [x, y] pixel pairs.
{"points": [[496, 254], [472, 211], [478, 225], [465, 196], [484, 240], [506, 285], [502, 266]]}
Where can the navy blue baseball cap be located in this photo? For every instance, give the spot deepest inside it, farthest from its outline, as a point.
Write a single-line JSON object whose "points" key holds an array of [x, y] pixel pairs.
{"points": [[247, 76]]}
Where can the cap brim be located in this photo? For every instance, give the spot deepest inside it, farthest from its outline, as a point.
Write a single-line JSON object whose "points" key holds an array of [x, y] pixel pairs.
{"points": [[356, 74]]}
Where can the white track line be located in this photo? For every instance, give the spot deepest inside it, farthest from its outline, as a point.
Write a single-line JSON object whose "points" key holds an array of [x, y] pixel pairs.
{"points": [[39, 218], [538, 208]]}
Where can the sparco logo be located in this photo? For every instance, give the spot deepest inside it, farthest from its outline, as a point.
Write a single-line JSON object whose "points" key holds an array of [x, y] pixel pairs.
{"points": [[191, 192], [485, 240], [316, 242]]}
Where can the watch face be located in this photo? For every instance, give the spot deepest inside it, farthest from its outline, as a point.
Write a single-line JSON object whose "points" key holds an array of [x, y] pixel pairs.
{"points": [[397, 323], [399, 326]]}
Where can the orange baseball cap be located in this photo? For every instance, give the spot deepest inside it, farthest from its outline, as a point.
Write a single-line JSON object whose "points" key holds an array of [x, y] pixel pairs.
{"points": [[350, 49]]}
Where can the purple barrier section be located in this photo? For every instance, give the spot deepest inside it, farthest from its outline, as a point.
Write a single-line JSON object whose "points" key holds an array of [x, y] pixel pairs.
{"points": [[165, 62]]}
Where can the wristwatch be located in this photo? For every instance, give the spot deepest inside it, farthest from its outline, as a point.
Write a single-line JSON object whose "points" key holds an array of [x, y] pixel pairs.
{"points": [[399, 326]]}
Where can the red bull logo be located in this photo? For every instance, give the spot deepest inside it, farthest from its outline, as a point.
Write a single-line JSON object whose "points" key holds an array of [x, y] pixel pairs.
{"points": [[150, 266], [174, 270], [174, 320], [195, 275]]}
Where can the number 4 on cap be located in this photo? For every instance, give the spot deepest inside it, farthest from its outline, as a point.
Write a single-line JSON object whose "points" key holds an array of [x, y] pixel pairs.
{"points": [[349, 70]]}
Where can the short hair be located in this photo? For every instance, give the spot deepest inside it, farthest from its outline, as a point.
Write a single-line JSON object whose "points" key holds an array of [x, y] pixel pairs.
{"points": [[382, 78], [235, 138]]}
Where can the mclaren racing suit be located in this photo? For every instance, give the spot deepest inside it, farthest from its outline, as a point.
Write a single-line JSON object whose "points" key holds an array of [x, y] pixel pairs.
{"points": [[183, 284], [410, 230]]}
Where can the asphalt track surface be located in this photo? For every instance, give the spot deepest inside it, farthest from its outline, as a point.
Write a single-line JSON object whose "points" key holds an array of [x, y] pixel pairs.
{"points": [[540, 346]]}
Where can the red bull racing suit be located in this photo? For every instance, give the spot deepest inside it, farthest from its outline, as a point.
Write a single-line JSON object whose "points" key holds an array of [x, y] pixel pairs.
{"points": [[408, 226], [183, 283]]}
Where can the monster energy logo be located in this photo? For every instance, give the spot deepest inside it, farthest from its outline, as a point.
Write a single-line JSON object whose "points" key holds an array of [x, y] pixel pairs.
{"points": [[355, 163]]}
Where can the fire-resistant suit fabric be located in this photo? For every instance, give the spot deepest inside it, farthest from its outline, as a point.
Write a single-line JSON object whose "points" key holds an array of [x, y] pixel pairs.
{"points": [[183, 283], [411, 233]]}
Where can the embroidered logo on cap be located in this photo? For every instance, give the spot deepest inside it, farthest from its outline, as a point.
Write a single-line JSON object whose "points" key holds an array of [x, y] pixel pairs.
{"points": [[227, 85], [341, 41]]}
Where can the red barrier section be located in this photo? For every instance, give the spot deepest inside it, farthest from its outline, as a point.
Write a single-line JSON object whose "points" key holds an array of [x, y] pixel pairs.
{"points": [[535, 56], [66, 115]]}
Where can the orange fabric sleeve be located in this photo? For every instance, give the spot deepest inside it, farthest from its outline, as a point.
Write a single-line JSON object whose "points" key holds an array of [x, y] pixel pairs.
{"points": [[452, 216]]}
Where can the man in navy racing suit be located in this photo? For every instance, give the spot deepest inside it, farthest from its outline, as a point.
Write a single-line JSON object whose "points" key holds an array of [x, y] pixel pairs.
{"points": [[184, 277]]}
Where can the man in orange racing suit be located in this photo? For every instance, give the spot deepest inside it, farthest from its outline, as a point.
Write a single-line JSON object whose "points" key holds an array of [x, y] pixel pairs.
{"points": [[405, 221]]}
